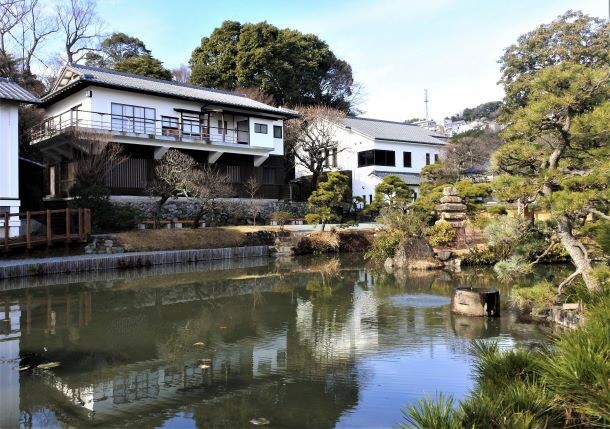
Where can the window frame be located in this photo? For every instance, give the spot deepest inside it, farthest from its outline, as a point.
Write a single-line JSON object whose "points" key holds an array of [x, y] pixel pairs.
{"points": [[258, 128], [406, 164], [277, 128]]}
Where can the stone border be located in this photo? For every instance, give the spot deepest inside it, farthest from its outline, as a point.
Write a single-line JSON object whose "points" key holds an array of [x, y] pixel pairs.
{"points": [[46, 266]]}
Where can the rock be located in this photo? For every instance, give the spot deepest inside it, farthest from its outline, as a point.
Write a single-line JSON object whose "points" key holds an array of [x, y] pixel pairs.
{"points": [[470, 301], [444, 255], [414, 253], [453, 216], [108, 243], [451, 199], [450, 207], [389, 265], [450, 191]]}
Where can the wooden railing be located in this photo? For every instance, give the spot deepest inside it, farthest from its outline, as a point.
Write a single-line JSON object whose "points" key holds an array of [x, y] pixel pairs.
{"points": [[44, 227]]}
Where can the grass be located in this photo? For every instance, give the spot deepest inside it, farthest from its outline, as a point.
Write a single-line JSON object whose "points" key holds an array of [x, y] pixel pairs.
{"points": [[176, 239]]}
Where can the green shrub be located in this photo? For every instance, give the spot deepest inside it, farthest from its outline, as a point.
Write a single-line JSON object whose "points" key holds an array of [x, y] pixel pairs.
{"points": [[515, 265], [497, 210], [534, 298], [441, 233], [437, 413], [384, 245]]}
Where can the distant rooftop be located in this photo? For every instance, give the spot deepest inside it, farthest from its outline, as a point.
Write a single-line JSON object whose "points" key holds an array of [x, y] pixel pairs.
{"points": [[394, 131], [76, 75], [9, 90]]}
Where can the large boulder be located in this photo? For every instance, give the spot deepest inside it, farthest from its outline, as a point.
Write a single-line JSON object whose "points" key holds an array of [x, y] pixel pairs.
{"points": [[414, 253]]}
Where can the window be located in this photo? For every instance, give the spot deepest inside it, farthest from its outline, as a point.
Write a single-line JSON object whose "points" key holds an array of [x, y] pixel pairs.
{"points": [[234, 173], [427, 159], [436, 158], [169, 125], [277, 131], [133, 119], [268, 176], [330, 157], [377, 157], [222, 128], [191, 127], [260, 128], [406, 159]]}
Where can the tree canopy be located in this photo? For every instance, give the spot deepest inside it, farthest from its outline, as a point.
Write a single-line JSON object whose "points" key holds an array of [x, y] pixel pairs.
{"points": [[392, 192], [326, 202], [489, 110], [127, 54], [292, 67], [557, 111]]}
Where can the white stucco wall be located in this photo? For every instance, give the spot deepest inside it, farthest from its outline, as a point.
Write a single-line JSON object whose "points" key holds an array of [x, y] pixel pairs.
{"points": [[102, 98], [351, 142], [9, 153]]}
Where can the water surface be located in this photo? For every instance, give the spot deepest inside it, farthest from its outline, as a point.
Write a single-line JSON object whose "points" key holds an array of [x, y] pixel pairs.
{"points": [[316, 343]]}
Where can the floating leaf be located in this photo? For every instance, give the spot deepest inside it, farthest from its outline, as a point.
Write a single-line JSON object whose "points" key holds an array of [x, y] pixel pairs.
{"points": [[199, 344], [204, 366], [222, 327], [23, 368], [259, 421], [49, 365]]}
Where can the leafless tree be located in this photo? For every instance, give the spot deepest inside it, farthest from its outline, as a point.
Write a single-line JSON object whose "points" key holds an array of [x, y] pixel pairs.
{"points": [[310, 136], [252, 187], [176, 175], [94, 157], [80, 26], [11, 14], [211, 184], [255, 94], [182, 74], [35, 28]]}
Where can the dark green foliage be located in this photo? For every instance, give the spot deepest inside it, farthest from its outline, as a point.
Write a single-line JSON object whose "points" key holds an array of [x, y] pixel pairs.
{"points": [[437, 413], [326, 203], [129, 55], [441, 234], [489, 110], [384, 245], [292, 67], [106, 216], [391, 192]]}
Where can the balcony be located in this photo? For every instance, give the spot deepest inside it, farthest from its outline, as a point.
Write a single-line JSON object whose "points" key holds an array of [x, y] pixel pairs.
{"points": [[124, 129]]}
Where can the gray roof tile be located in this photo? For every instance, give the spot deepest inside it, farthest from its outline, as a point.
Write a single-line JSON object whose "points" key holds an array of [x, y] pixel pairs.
{"points": [[394, 131], [9, 90], [164, 87]]}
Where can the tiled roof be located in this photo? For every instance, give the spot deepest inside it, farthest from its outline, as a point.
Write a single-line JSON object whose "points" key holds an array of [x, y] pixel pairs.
{"points": [[163, 87], [394, 131], [9, 90], [412, 179]]}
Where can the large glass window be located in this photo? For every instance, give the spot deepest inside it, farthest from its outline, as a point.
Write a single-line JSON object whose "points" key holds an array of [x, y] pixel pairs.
{"points": [[191, 127], [377, 157], [133, 119]]}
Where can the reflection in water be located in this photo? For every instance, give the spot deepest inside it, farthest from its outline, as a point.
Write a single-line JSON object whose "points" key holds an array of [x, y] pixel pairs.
{"points": [[308, 344]]}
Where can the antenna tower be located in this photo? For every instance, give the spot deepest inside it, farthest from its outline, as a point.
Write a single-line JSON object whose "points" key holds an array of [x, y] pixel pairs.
{"points": [[426, 102]]}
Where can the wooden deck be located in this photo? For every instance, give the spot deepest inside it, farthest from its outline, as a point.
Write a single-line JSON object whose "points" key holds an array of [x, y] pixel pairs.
{"points": [[46, 227]]}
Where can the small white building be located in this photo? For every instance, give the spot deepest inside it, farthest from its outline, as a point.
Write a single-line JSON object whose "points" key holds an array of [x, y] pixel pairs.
{"points": [[11, 95], [372, 149]]}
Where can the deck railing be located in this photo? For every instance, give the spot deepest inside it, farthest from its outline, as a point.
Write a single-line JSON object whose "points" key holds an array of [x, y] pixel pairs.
{"points": [[188, 129], [44, 227]]}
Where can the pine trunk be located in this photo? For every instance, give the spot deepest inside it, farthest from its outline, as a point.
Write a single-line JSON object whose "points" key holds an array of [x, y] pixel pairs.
{"points": [[577, 253]]}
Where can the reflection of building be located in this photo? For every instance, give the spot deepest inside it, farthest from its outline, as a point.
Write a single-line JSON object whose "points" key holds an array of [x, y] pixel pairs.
{"points": [[9, 364]]}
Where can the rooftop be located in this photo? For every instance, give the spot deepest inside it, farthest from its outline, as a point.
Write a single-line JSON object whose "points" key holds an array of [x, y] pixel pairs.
{"points": [[395, 131], [76, 75], [9, 90]]}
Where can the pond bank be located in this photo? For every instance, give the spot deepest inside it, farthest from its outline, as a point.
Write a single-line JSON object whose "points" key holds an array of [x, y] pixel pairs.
{"points": [[71, 264]]}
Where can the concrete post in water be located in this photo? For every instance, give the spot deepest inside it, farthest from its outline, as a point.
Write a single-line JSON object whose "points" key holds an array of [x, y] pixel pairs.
{"points": [[471, 301]]}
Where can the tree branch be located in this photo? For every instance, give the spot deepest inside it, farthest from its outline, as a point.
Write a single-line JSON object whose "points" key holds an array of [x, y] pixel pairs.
{"points": [[567, 281]]}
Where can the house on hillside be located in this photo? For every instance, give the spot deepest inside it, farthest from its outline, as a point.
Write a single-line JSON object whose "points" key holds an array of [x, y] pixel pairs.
{"points": [[147, 116], [372, 148], [11, 95]]}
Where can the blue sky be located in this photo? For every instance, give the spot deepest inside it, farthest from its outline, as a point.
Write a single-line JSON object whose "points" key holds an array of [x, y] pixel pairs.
{"points": [[396, 48]]}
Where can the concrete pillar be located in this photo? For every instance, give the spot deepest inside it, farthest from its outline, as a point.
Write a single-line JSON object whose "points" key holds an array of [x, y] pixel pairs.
{"points": [[9, 165]]}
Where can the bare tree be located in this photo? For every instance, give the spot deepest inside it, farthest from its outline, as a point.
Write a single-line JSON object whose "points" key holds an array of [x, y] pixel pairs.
{"points": [[11, 14], [34, 29], [252, 187], [182, 74], [310, 137], [176, 175], [256, 94], [211, 185], [81, 27], [94, 157]]}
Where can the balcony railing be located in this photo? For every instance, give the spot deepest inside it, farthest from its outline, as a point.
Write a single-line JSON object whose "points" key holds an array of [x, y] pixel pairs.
{"points": [[188, 129]]}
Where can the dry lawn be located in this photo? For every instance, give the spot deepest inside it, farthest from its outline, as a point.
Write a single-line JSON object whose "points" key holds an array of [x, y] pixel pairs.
{"points": [[175, 239]]}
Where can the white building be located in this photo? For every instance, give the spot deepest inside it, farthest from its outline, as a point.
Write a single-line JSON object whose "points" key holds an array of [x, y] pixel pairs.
{"points": [[147, 116], [372, 149], [11, 95]]}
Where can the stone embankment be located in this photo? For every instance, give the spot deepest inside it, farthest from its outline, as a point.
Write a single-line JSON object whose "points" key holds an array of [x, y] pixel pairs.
{"points": [[71, 264]]}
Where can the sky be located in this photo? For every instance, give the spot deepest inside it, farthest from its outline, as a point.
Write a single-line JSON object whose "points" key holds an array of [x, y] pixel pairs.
{"points": [[397, 48]]}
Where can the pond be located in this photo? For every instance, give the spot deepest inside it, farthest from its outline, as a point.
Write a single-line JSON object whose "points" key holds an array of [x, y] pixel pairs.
{"points": [[317, 343]]}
